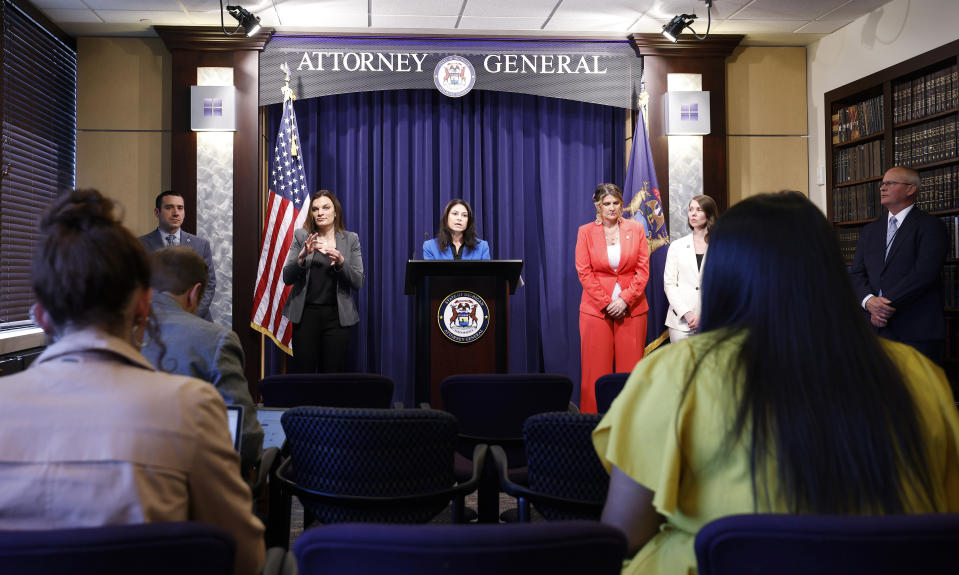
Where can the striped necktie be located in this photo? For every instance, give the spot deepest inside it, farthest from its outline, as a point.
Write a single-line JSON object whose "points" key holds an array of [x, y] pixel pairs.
{"points": [[891, 233]]}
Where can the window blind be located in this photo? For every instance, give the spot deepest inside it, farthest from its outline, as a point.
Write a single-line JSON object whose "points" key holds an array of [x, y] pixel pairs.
{"points": [[38, 88]]}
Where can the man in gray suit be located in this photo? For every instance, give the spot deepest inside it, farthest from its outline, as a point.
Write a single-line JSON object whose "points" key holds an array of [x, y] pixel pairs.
{"points": [[170, 212], [187, 345]]}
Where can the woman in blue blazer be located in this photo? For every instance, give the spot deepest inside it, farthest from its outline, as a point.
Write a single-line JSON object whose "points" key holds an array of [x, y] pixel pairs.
{"points": [[456, 238]]}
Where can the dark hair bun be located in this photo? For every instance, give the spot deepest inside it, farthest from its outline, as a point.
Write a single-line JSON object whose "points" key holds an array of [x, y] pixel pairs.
{"points": [[81, 210]]}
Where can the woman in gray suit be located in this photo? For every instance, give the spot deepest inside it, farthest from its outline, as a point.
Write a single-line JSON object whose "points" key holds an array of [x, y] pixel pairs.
{"points": [[681, 274], [324, 265]]}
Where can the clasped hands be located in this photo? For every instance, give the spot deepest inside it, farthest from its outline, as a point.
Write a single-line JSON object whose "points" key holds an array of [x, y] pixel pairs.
{"points": [[880, 310], [316, 244], [617, 308]]}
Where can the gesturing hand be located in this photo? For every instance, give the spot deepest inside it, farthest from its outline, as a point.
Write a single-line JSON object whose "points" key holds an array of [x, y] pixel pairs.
{"points": [[336, 258]]}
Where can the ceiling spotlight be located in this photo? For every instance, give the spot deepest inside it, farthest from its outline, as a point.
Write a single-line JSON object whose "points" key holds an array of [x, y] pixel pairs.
{"points": [[245, 19], [675, 27]]}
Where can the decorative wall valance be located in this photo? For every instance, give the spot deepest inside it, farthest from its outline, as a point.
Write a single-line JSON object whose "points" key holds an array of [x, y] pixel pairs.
{"points": [[600, 72]]}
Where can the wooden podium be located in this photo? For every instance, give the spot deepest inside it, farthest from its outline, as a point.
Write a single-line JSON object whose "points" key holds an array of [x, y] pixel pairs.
{"points": [[450, 319]]}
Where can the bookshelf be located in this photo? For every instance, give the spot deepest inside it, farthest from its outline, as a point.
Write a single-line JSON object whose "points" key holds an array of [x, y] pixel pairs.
{"points": [[905, 115]]}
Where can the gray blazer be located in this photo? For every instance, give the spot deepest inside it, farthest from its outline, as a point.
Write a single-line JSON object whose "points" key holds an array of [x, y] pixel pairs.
{"points": [[154, 241], [207, 351], [348, 277]]}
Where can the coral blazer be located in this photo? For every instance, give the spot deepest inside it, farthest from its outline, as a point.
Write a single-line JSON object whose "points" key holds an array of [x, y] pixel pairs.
{"points": [[598, 278]]}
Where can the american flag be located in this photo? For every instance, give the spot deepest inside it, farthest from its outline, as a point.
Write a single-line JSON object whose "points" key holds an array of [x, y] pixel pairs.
{"points": [[286, 210]]}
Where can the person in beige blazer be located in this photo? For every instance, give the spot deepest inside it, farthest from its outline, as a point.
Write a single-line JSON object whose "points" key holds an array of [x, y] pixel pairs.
{"points": [[91, 434], [682, 272]]}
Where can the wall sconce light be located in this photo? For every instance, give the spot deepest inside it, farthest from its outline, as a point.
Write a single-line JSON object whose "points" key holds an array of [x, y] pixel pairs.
{"points": [[244, 18], [673, 28], [687, 113], [213, 108]]}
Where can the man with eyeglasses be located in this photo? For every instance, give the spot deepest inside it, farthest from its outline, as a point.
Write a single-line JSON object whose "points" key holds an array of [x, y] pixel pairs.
{"points": [[895, 272]]}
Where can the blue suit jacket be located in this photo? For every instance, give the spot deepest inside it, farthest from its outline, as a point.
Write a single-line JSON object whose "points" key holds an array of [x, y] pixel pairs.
{"points": [[431, 251], [154, 241], [207, 351], [909, 277]]}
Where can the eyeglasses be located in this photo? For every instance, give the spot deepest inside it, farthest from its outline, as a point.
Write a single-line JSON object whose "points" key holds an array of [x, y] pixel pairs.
{"points": [[886, 184]]}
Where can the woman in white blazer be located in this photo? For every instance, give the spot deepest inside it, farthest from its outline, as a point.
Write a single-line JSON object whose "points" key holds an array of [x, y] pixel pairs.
{"points": [[682, 274]]}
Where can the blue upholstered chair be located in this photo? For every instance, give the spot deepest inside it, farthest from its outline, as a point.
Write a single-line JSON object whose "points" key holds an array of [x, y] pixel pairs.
{"points": [[828, 545], [181, 548], [558, 548], [491, 409], [327, 389], [373, 465], [607, 388], [566, 479]]}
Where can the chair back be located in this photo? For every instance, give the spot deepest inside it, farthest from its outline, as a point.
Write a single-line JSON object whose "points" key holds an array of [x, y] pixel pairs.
{"points": [[184, 548], [557, 548], [366, 390], [607, 388], [491, 408], [826, 545], [374, 453], [562, 462]]}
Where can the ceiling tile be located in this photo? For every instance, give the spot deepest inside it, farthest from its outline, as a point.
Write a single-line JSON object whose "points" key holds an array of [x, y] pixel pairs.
{"points": [[752, 26], [403, 21], [787, 9], [822, 26], [854, 9], [505, 9], [476, 23], [419, 8], [598, 23], [155, 17], [310, 16], [135, 5], [64, 16], [59, 4]]}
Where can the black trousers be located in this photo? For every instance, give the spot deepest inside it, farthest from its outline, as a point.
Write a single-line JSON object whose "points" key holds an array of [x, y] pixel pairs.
{"points": [[320, 343]]}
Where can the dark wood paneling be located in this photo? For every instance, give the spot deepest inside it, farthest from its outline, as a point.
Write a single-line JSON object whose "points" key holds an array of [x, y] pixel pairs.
{"points": [[688, 56], [247, 216], [192, 48]]}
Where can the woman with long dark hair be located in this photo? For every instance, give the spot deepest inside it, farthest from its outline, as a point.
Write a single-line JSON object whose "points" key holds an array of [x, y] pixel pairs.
{"points": [[786, 402], [456, 239], [325, 266], [92, 434]]}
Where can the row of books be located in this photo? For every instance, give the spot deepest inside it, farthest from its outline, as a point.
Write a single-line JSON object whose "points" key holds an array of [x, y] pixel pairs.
{"points": [[930, 94], [952, 226], [858, 120], [939, 189], [858, 162], [857, 202], [950, 285], [848, 238], [925, 143]]}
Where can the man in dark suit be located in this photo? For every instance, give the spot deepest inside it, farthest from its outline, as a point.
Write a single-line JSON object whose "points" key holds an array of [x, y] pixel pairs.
{"points": [[187, 345], [897, 266], [170, 212]]}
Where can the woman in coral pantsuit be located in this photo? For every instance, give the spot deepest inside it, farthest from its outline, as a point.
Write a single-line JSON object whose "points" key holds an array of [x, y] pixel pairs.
{"points": [[612, 260]]}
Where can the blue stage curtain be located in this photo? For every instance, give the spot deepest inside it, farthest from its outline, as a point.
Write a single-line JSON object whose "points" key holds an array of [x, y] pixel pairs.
{"points": [[527, 164]]}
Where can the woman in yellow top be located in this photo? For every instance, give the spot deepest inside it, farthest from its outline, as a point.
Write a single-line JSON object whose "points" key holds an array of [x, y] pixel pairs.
{"points": [[787, 402]]}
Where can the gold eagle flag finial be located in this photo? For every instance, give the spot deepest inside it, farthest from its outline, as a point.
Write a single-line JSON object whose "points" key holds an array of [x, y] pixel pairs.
{"points": [[289, 96]]}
